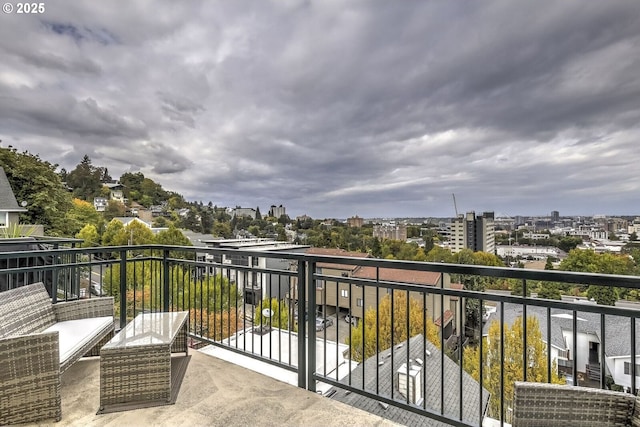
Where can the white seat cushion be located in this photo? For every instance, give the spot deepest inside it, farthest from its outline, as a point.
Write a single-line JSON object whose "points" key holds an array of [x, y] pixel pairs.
{"points": [[73, 334]]}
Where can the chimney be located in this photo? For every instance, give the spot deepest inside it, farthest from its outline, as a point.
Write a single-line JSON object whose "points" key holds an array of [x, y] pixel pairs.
{"points": [[409, 383]]}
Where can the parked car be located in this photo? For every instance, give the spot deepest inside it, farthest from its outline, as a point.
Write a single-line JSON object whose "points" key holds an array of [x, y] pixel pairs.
{"points": [[322, 323], [350, 319]]}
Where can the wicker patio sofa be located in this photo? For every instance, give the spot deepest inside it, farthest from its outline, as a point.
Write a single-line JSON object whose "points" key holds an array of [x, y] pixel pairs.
{"points": [[551, 405], [38, 342]]}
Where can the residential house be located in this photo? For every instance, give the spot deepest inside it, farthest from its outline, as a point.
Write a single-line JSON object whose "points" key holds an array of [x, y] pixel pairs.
{"points": [[126, 220], [9, 208], [586, 355], [100, 203], [419, 382], [116, 192]]}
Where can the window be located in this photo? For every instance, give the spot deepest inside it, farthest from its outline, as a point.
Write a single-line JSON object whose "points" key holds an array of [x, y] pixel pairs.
{"points": [[319, 284], [4, 219], [344, 293], [627, 369], [359, 302]]}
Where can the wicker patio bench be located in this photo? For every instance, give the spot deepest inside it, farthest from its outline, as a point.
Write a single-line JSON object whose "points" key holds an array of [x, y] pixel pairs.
{"points": [[38, 342], [551, 405]]}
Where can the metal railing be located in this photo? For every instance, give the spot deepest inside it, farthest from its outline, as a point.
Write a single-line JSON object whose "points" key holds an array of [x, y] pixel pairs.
{"points": [[419, 344]]}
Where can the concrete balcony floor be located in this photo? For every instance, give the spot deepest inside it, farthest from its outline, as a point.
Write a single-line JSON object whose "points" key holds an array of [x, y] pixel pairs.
{"points": [[213, 393]]}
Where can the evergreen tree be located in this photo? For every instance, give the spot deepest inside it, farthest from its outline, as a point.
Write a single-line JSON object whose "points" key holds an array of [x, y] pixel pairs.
{"points": [[85, 180]]}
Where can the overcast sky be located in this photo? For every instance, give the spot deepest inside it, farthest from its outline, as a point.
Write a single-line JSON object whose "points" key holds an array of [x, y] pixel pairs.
{"points": [[338, 108]]}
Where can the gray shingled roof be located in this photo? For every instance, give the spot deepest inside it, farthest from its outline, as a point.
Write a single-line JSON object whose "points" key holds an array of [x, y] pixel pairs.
{"points": [[617, 329], [8, 202], [387, 373]]}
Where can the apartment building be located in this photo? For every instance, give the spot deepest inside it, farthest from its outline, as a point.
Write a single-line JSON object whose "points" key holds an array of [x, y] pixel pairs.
{"points": [[473, 232], [257, 284], [390, 231], [355, 221], [344, 297]]}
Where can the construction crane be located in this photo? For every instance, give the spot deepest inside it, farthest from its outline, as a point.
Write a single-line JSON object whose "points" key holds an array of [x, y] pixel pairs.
{"points": [[455, 206]]}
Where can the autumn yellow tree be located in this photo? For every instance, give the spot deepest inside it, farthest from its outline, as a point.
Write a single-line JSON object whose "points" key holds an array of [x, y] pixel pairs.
{"points": [[364, 336], [214, 325], [513, 361]]}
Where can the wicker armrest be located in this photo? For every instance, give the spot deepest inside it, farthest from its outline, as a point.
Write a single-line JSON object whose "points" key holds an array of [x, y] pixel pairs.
{"points": [[550, 405], [85, 308], [30, 376], [635, 418]]}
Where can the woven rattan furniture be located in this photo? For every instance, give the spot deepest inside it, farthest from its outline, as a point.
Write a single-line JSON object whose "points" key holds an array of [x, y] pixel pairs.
{"points": [[38, 342], [135, 366], [551, 405]]}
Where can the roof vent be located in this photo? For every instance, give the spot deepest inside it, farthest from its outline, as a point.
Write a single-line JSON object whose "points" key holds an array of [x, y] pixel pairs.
{"points": [[409, 383], [399, 346], [380, 363], [427, 352], [420, 362], [383, 405]]}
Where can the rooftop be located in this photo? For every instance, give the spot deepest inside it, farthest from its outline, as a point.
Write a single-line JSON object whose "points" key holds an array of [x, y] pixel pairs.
{"points": [[213, 392]]}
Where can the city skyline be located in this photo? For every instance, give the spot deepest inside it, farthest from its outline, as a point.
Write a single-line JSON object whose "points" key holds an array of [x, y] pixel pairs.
{"points": [[335, 109]]}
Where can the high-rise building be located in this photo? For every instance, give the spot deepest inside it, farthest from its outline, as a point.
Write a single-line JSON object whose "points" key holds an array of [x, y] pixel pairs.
{"points": [[555, 216], [277, 211], [473, 232]]}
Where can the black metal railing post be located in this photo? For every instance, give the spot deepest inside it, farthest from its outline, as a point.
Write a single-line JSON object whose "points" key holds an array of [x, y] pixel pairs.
{"points": [[165, 280], [302, 355], [311, 324], [123, 288]]}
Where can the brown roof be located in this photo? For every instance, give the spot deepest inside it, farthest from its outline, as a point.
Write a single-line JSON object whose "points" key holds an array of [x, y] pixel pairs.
{"points": [[339, 253], [429, 278], [336, 252], [448, 315]]}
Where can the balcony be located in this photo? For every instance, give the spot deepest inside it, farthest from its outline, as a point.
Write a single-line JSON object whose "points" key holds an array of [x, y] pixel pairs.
{"points": [[213, 392], [398, 374]]}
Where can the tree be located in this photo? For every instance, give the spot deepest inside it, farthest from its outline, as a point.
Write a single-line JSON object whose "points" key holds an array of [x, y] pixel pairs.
{"points": [[439, 254], [589, 261], [114, 209], [514, 353], [569, 243], [549, 264], [110, 232], [85, 180], [279, 314], [81, 214], [36, 182], [549, 290], [517, 288], [172, 237], [89, 235], [366, 331]]}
